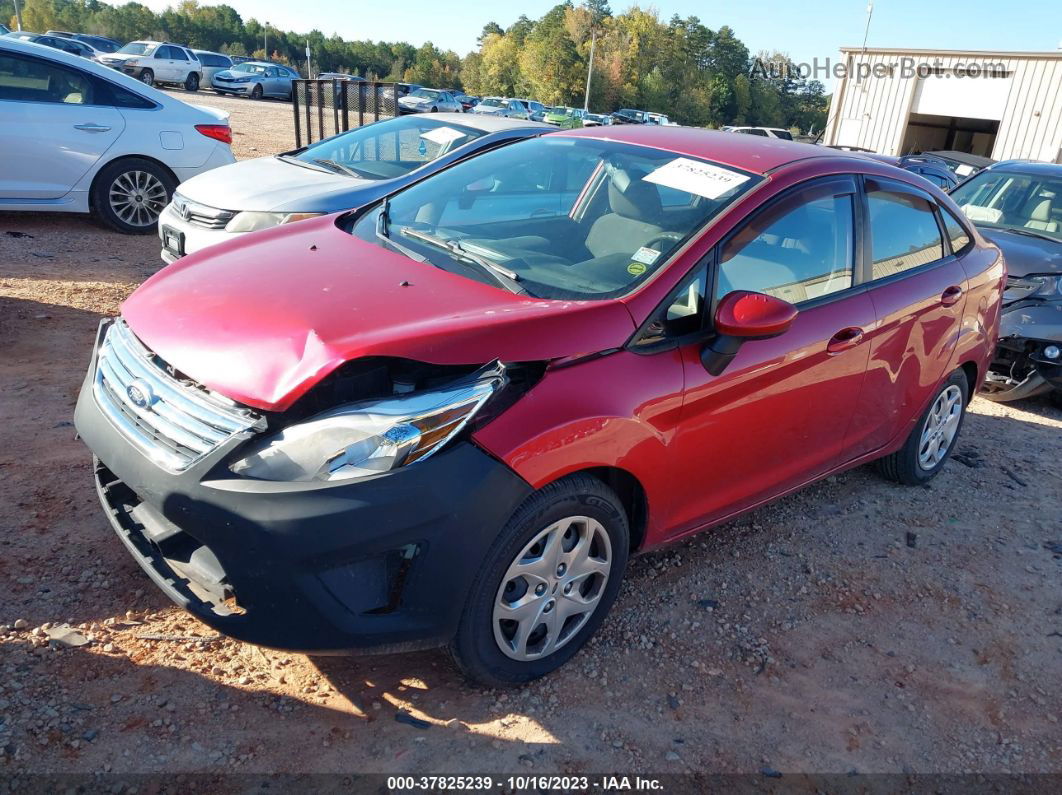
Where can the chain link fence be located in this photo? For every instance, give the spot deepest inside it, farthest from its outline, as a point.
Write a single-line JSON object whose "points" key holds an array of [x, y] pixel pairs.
{"points": [[327, 107]]}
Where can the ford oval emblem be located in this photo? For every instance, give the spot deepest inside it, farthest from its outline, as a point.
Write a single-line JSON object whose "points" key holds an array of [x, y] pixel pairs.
{"points": [[140, 394]]}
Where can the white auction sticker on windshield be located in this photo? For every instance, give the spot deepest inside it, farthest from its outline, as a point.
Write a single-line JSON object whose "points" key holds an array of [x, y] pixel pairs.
{"points": [[693, 176], [963, 170], [645, 255], [442, 135]]}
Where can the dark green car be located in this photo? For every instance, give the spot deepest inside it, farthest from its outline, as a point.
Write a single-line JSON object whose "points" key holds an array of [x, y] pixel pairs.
{"points": [[565, 118]]}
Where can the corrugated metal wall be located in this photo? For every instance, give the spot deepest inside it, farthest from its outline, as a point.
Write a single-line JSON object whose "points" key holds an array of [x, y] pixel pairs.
{"points": [[872, 112]]}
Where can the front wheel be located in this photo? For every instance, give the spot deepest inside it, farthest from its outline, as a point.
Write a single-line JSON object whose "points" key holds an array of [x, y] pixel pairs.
{"points": [[147, 77], [546, 584], [933, 438], [256, 92], [191, 83]]}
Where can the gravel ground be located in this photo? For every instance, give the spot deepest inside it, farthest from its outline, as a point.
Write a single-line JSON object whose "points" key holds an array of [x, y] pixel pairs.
{"points": [[853, 626]]}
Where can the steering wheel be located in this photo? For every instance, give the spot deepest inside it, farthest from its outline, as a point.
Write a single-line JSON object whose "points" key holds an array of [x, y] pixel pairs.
{"points": [[674, 237]]}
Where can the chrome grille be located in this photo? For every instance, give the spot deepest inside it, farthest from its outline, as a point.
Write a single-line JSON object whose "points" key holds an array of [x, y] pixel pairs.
{"points": [[201, 214], [172, 422]]}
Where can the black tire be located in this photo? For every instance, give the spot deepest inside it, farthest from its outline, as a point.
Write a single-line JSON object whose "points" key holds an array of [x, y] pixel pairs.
{"points": [[256, 92], [434, 110], [108, 180], [474, 649], [219, 93], [147, 77], [904, 466], [191, 83]]}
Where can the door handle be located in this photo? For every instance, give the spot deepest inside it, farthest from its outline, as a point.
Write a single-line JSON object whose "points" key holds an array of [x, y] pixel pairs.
{"points": [[844, 339], [951, 295], [92, 127]]}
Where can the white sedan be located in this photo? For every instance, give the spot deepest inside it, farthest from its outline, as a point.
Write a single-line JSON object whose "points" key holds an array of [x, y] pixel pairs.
{"points": [[79, 137]]}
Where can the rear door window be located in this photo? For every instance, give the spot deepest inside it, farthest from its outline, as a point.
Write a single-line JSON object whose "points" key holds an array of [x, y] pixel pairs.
{"points": [[904, 234], [32, 80]]}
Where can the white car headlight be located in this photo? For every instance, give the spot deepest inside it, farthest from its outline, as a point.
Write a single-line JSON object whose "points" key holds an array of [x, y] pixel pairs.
{"points": [[363, 439], [253, 221]]}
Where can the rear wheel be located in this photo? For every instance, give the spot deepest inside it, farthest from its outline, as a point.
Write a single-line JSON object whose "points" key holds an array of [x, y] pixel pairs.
{"points": [[546, 584], [933, 438], [256, 92], [191, 83], [147, 77], [129, 194]]}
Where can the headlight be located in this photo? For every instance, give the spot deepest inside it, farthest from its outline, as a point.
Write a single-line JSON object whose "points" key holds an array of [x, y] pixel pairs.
{"points": [[368, 438], [1045, 286], [253, 221]]}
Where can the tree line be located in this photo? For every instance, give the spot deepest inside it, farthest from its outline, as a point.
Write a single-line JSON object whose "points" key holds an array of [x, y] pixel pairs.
{"points": [[680, 67]]}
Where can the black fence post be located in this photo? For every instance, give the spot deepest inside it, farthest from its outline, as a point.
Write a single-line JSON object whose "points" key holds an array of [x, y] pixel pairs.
{"points": [[296, 86]]}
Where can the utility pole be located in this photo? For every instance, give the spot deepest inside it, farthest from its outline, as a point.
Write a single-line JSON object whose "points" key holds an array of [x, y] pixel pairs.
{"points": [[590, 69], [18, 16], [266, 32]]}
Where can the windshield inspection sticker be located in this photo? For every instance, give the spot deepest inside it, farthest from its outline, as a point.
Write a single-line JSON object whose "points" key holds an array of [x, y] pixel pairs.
{"points": [[645, 255], [636, 268], [964, 170], [693, 176], [442, 135]]}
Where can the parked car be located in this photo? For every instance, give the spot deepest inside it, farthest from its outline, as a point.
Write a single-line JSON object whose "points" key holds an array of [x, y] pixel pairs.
{"points": [[501, 106], [429, 100], [340, 76], [56, 42], [630, 116], [212, 63], [467, 101], [153, 62], [962, 164], [928, 167], [402, 89], [1018, 206], [763, 132], [565, 118], [535, 109], [596, 120], [483, 374], [254, 79], [79, 137], [661, 119], [99, 43], [344, 171]]}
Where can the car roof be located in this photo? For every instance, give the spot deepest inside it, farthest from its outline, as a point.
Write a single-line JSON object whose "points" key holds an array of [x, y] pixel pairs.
{"points": [[209, 52], [489, 123], [962, 157], [755, 154], [1031, 167]]}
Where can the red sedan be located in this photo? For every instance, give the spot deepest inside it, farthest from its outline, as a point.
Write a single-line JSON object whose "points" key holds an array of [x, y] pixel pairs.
{"points": [[448, 419]]}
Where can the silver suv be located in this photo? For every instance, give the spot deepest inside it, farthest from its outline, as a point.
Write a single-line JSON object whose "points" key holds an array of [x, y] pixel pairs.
{"points": [[157, 62]]}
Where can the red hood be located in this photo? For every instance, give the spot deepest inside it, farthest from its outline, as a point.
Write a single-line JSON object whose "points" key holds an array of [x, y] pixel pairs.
{"points": [[262, 320]]}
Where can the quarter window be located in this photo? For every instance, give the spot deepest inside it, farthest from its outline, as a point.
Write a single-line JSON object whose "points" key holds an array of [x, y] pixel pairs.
{"points": [[903, 230], [956, 232], [798, 249]]}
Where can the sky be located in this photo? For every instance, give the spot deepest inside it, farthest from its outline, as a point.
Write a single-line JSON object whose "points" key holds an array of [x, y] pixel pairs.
{"points": [[805, 30]]}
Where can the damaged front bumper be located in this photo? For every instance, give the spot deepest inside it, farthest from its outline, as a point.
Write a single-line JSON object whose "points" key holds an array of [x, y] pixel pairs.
{"points": [[1028, 357], [381, 564]]}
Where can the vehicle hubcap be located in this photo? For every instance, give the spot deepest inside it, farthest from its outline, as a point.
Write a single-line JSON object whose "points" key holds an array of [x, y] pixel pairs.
{"points": [[940, 428], [137, 197], [552, 588]]}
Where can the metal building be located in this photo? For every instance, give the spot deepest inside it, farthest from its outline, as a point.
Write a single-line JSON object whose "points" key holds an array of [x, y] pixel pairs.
{"points": [[997, 104]]}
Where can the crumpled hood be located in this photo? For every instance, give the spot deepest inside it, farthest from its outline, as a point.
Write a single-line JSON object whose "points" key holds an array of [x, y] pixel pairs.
{"points": [[1025, 254], [268, 183], [263, 318]]}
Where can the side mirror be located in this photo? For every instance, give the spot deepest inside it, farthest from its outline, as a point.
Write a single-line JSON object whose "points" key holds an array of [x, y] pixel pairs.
{"points": [[742, 316]]}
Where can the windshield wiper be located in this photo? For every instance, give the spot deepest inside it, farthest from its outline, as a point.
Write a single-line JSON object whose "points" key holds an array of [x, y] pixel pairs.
{"points": [[339, 168], [503, 276], [1029, 232]]}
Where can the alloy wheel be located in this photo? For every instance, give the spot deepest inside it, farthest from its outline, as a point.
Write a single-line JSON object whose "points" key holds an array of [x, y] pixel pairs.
{"points": [[552, 588], [137, 198], [940, 428]]}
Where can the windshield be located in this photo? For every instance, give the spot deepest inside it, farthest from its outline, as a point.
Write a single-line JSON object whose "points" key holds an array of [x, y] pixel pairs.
{"points": [[425, 93], [1008, 200], [492, 103], [388, 148], [567, 218], [253, 68], [137, 48]]}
